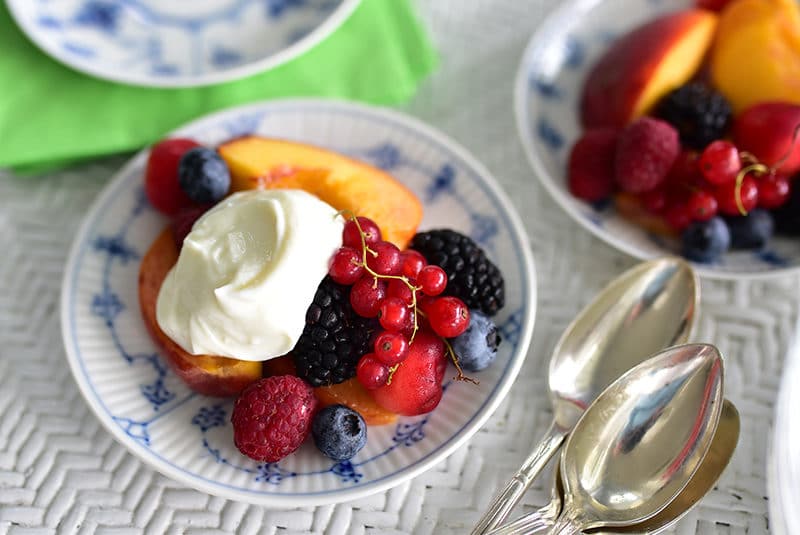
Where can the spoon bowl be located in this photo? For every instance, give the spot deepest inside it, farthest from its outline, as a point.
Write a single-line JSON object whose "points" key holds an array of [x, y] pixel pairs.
{"points": [[649, 307], [641, 441]]}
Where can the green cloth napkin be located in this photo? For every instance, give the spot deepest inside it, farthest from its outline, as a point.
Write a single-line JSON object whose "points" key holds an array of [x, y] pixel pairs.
{"points": [[51, 115]]}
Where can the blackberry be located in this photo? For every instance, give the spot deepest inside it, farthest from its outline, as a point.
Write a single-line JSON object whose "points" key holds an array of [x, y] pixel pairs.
{"points": [[334, 338], [699, 113], [471, 276]]}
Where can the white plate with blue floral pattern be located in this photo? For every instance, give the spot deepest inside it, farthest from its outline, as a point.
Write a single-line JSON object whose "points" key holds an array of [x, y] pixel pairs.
{"points": [[188, 437], [157, 43], [547, 92]]}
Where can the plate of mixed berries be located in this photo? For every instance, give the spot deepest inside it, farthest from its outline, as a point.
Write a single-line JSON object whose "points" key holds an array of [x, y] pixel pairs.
{"points": [[671, 127], [298, 302]]}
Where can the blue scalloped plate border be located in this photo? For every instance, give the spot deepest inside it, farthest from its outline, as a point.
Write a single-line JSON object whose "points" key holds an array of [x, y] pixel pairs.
{"points": [[105, 305]]}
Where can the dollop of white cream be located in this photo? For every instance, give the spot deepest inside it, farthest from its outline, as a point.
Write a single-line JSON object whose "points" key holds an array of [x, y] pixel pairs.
{"points": [[247, 272]]}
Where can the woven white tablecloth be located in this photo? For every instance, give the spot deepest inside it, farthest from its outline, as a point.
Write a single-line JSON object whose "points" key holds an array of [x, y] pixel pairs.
{"points": [[61, 472]]}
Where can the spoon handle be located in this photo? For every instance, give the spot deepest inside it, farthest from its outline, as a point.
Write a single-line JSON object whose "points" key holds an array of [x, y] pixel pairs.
{"points": [[538, 520], [505, 501]]}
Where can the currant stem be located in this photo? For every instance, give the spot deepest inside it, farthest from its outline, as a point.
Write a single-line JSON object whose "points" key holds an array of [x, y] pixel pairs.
{"points": [[454, 358], [755, 168]]}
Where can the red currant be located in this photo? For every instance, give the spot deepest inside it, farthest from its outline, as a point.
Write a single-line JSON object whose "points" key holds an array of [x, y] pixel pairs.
{"points": [[345, 266], [371, 372], [366, 296], [399, 289], [773, 191], [678, 216], [184, 221], [161, 176], [654, 201], [393, 314], [391, 348], [432, 280], [702, 205], [413, 262], [448, 316], [352, 238], [685, 170], [388, 260], [747, 194], [720, 162]]}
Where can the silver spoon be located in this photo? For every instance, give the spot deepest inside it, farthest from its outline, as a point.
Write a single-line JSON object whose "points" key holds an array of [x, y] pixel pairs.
{"points": [[722, 447], [639, 444], [644, 310]]}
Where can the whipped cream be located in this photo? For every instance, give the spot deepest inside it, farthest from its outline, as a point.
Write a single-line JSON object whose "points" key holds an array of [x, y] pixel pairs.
{"points": [[247, 272]]}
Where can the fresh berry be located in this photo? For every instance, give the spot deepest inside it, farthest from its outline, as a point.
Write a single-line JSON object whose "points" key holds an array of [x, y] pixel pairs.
{"points": [[720, 163], [352, 238], [371, 372], [448, 316], [345, 266], [413, 262], [678, 216], [394, 314], [698, 112], [391, 348], [272, 417], [590, 171], [705, 241], [367, 295], [769, 132], [184, 221], [432, 280], [416, 385], [752, 231], [471, 276], [334, 337], [387, 261], [203, 175], [746, 193], [654, 201], [685, 170], [161, 176], [646, 150], [477, 346], [773, 190], [702, 205], [339, 432], [399, 289]]}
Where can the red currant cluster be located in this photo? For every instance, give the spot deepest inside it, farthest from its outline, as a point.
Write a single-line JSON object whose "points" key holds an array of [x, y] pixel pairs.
{"points": [[397, 287], [719, 180]]}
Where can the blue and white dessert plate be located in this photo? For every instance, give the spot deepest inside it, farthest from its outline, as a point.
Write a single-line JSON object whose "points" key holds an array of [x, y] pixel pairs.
{"points": [[177, 44], [188, 437], [546, 96]]}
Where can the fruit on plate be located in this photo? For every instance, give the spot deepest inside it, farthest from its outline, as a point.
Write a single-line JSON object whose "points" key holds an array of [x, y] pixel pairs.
{"points": [[629, 207], [756, 54], [590, 170], [646, 151], [769, 131], [206, 374], [344, 183], [644, 65], [352, 394], [339, 432], [416, 385]]}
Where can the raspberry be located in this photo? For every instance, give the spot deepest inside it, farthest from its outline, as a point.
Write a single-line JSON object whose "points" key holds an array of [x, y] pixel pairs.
{"points": [[591, 165], [161, 177], [272, 417], [646, 150]]}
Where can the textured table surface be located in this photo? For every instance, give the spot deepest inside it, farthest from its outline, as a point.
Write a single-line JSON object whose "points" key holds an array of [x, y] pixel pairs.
{"points": [[61, 472]]}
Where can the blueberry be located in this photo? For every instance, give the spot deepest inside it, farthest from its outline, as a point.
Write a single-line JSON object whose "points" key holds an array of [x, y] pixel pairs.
{"points": [[752, 231], [477, 346], [787, 217], [203, 175], [706, 241], [339, 432]]}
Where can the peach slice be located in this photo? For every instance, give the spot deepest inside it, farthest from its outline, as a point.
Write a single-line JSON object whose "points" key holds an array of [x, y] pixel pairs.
{"points": [[351, 394], [631, 209], [644, 65], [344, 183], [205, 374], [756, 54]]}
